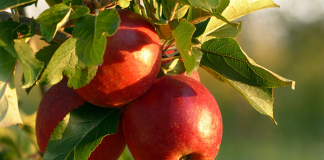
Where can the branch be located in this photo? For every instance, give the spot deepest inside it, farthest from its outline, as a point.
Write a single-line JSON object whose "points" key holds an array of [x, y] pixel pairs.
{"points": [[60, 36]]}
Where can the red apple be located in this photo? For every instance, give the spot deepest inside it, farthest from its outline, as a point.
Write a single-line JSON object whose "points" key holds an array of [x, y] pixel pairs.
{"points": [[58, 101], [131, 63], [177, 118], [194, 75]]}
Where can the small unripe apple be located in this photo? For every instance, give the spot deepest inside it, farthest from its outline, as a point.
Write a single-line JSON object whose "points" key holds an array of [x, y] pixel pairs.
{"points": [[177, 118], [57, 102], [130, 65]]}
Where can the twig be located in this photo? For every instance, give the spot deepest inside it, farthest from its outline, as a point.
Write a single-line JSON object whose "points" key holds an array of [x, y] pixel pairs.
{"points": [[166, 48], [173, 11], [60, 36], [170, 58]]}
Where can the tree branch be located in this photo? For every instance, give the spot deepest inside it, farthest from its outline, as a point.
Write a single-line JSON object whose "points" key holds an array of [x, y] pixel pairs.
{"points": [[60, 36]]}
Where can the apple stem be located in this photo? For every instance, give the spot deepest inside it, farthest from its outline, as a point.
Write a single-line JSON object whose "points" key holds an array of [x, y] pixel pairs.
{"points": [[167, 47], [170, 58], [173, 11], [163, 45], [185, 157]]}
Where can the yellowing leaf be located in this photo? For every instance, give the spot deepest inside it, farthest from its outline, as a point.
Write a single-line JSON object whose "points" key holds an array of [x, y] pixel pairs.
{"points": [[11, 115], [236, 9]]}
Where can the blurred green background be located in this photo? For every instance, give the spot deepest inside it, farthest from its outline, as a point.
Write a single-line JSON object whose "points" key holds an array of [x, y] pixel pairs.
{"points": [[287, 40]]}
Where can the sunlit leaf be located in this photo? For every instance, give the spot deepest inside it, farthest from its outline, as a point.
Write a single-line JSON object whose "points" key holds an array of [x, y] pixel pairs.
{"points": [[123, 3], [18, 141], [226, 57], [222, 5], [207, 5], [66, 61], [260, 98], [31, 66], [79, 12], [182, 34], [174, 67], [52, 19], [226, 31], [6, 4], [19, 49], [8, 32], [90, 32], [236, 9], [9, 113], [196, 15], [45, 54]]}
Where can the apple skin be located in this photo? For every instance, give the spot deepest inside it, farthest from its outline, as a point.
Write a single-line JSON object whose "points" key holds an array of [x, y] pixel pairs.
{"points": [[130, 65], [58, 101], [176, 118], [194, 75]]}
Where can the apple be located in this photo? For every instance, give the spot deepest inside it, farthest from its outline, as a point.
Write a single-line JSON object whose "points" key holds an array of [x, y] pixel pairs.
{"points": [[177, 118], [57, 102], [130, 65]]}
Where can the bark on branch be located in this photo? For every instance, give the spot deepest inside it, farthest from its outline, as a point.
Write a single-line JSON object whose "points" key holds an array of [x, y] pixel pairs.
{"points": [[60, 36]]}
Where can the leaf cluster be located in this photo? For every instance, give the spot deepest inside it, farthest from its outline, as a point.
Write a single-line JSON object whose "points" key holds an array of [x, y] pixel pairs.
{"points": [[200, 32]]}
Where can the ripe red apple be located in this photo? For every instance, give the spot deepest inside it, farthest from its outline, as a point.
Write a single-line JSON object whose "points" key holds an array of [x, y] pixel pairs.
{"points": [[177, 118], [58, 101], [131, 63]]}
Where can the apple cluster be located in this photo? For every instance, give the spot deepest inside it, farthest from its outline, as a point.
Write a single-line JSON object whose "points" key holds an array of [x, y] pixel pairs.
{"points": [[168, 118]]}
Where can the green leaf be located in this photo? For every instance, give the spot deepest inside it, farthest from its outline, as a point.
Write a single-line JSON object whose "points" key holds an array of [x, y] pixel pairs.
{"points": [[6, 4], [222, 5], [9, 112], [91, 32], [154, 11], [237, 9], [18, 141], [51, 2], [207, 5], [126, 155], [73, 2], [197, 15], [66, 61], [81, 76], [8, 32], [182, 34], [164, 32], [79, 12], [174, 67], [31, 66], [221, 17], [31, 26], [45, 54], [226, 31], [210, 6], [134, 7], [225, 56], [77, 2], [52, 19], [81, 131], [260, 98], [179, 10]]}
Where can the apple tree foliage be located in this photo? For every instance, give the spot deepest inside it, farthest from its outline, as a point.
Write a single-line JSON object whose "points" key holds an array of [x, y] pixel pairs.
{"points": [[201, 31]]}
